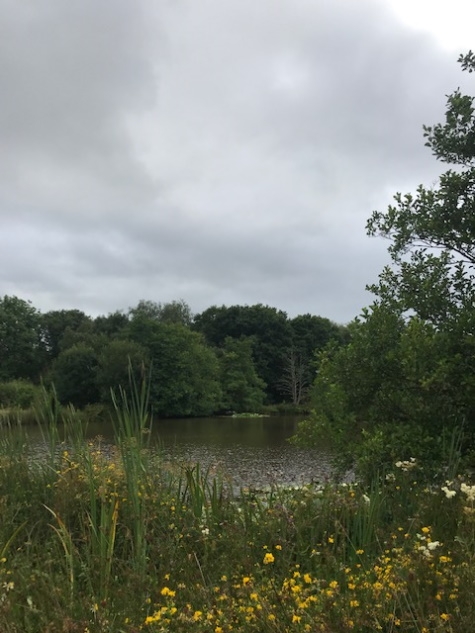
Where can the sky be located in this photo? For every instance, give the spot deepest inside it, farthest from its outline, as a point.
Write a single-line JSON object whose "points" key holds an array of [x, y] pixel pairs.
{"points": [[221, 152]]}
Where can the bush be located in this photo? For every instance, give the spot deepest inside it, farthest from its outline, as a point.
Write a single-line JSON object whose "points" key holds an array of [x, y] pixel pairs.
{"points": [[20, 394]]}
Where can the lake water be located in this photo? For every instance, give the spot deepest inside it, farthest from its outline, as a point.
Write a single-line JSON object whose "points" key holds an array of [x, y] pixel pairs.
{"points": [[249, 452]]}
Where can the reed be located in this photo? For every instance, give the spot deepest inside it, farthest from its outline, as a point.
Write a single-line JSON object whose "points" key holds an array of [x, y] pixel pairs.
{"points": [[104, 539]]}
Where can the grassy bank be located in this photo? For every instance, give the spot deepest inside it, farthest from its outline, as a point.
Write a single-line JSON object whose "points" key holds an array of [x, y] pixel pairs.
{"points": [[95, 540]]}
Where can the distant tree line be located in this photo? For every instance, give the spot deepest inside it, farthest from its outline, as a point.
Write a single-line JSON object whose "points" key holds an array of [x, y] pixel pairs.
{"points": [[236, 358]]}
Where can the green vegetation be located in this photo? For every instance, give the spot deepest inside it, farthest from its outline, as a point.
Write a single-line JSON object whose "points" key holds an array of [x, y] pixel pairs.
{"points": [[225, 359], [114, 540], [101, 539], [405, 384]]}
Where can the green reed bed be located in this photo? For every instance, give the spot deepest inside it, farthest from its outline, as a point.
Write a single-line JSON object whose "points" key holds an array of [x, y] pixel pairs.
{"points": [[94, 539]]}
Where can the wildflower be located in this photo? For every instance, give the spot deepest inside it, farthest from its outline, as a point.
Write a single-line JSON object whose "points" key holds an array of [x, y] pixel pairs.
{"points": [[366, 499], [448, 493], [296, 619], [354, 603], [167, 592], [197, 615], [406, 465], [268, 558], [445, 617], [469, 491], [425, 530]]}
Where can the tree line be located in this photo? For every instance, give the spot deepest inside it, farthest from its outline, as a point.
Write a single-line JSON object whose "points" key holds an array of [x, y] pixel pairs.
{"points": [[236, 358]]}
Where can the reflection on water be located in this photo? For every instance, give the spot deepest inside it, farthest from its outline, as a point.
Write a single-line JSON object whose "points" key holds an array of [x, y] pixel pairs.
{"points": [[247, 451]]}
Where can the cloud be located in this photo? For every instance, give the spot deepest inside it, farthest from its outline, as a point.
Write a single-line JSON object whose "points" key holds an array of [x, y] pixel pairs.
{"points": [[219, 152]]}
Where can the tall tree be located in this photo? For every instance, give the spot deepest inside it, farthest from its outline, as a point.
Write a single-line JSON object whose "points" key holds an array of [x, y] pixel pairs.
{"points": [[408, 374], [243, 390], [74, 375], [115, 362], [185, 372], [22, 349], [54, 325], [432, 233], [172, 312], [268, 327]]}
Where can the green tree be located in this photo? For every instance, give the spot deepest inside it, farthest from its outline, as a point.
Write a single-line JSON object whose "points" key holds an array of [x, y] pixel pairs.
{"points": [[55, 323], [269, 329], [407, 378], [74, 375], [114, 365], [111, 325], [185, 371], [310, 334], [173, 312], [433, 231], [243, 390], [22, 349]]}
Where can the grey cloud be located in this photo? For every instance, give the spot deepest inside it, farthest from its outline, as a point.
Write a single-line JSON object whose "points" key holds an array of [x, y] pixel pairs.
{"points": [[223, 152]]}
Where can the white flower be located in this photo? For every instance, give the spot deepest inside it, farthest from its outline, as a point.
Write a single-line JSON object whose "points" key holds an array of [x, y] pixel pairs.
{"points": [[366, 499], [469, 491], [433, 545], [448, 493], [406, 465]]}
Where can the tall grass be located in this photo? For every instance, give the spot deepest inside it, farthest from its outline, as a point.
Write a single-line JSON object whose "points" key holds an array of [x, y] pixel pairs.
{"points": [[103, 539]]}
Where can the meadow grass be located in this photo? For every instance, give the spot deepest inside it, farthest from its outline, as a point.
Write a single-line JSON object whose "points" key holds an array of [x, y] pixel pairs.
{"points": [[103, 539]]}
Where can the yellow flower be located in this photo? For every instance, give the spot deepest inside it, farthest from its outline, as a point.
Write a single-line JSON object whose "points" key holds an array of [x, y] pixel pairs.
{"points": [[197, 615], [268, 558], [425, 530], [296, 619], [167, 592], [445, 617]]}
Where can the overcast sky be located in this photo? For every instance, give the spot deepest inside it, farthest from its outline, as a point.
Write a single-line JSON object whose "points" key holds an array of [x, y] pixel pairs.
{"points": [[218, 151]]}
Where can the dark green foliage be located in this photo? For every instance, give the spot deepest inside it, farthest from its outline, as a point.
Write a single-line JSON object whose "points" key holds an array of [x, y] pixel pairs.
{"points": [[86, 334], [115, 362], [269, 329], [55, 323], [22, 350], [433, 232], [185, 372], [74, 375], [407, 379], [172, 312], [112, 324], [243, 390]]}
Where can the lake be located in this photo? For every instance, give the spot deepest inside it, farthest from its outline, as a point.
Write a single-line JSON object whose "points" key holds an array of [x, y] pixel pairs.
{"points": [[249, 452]]}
